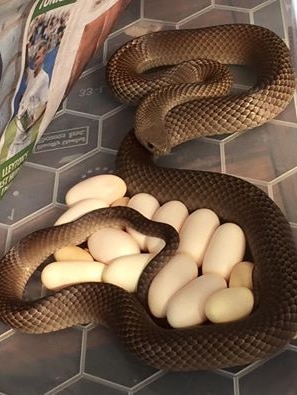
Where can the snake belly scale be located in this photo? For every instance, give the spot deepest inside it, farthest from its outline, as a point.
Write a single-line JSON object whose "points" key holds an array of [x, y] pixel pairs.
{"points": [[274, 319]]}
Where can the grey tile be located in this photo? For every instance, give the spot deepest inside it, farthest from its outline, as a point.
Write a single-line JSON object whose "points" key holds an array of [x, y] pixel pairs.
{"points": [[68, 137], [263, 153], [34, 364], [116, 126], [31, 190], [175, 11], [216, 17], [240, 3], [91, 95], [88, 387], [284, 194], [191, 384], [106, 358], [270, 16], [131, 14], [275, 377], [195, 155]]}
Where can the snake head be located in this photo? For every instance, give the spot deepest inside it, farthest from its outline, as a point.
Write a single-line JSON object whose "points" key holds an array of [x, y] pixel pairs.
{"points": [[155, 140]]}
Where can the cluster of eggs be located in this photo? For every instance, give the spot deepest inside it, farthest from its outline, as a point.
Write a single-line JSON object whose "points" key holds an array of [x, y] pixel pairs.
{"points": [[207, 278]]}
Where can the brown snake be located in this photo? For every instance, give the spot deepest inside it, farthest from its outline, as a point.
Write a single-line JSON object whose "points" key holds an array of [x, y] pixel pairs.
{"points": [[274, 319]]}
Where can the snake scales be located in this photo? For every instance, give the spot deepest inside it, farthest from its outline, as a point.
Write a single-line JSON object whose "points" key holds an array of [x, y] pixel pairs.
{"points": [[274, 320]]}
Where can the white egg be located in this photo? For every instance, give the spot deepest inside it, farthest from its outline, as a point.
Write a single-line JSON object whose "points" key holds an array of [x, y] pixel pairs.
{"points": [[229, 304], [187, 306], [123, 201], [196, 233], [57, 275], [126, 270], [173, 213], [178, 272], [147, 205], [106, 187], [72, 253], [242, 275], [225, 249], [107, 244], [79, 209]]}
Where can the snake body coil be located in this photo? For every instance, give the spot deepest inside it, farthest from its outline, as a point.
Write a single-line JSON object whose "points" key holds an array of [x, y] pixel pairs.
{"points": [[274, 319]]}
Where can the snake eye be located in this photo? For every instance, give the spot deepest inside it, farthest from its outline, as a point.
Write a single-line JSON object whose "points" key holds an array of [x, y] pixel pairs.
{"points": [[150, 146]]}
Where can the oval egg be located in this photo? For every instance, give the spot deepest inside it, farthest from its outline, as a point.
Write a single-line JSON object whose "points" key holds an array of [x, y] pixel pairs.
{"points": [[229, 305], [187, 306], [57, 275], [107, 244], [147, 205], [123, 201], [225, 249], [196, 233], [79, 209], [173, 213], [106, 187], [178, 272], [126, 270], [242, 275], [72, 253]]}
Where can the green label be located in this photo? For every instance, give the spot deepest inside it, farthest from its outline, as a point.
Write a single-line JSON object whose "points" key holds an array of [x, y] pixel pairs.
{"points": [[10, 168], [47, 5]]}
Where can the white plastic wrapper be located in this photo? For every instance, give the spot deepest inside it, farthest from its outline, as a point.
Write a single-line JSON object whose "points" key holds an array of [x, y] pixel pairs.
{"points": [[44, 46]]}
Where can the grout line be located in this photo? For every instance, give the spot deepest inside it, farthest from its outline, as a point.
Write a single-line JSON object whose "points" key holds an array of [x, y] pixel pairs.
{"points": [[252, 19], [141, 9], [7, 334], [105, 382], [148, 380], [65, 384], [82, 114], [236, 387], [263, 5], [283, 123], [83, 351], [284, 22], [193, 16], [284, 176], [231, 8], [270, 191], [223, 158]]}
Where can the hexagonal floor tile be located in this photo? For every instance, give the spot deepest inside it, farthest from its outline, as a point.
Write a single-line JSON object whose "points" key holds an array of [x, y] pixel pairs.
{"points": [[216, 17], [98, 163], [116, 126], [131, 14], [91, 95], [284, 194], [33, 186], [196, 155], [270, 16], [261, 382], [193, 383], [176, 11], [70, 136], [106, 358], [41, 362], [88, 387], [263, 153], [240, 3]]}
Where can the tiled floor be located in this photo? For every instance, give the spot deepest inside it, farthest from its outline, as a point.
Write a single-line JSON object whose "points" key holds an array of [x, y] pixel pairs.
{"points": [[81, 142]]}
